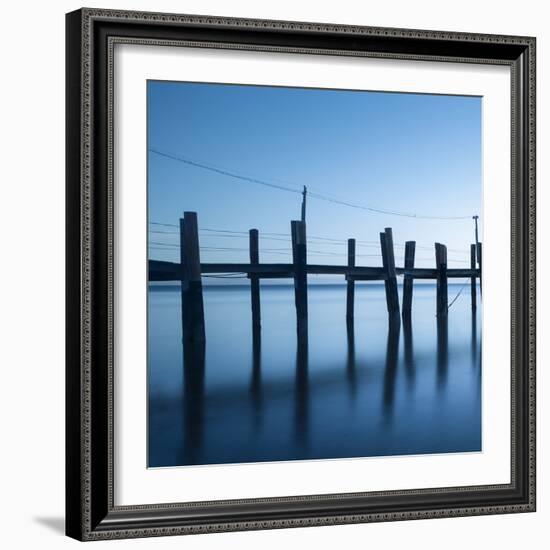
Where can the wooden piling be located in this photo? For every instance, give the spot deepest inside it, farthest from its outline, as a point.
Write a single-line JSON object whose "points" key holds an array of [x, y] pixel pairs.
{"points": [[192, 307], [479, 263], [350, 298], [299, 257], [442, 291], [410, 247], [255, 280], [473, 278], [388, 262]]}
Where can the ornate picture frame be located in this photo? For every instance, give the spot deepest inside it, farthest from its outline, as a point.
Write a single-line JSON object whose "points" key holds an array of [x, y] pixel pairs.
{"points": [[91, 509]]}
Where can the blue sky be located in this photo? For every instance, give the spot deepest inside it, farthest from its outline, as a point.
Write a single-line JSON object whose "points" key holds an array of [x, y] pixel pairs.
{"points": [[408, 153]]}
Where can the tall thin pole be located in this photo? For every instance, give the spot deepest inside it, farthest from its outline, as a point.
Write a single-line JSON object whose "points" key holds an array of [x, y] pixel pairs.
{"points": [[475, 218], [473, 249], [304, 194]]}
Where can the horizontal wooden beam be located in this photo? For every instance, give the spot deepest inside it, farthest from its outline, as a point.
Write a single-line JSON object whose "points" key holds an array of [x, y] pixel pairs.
{"points": [[171, 271], [344, 270], [372, 277], [164, 271], [268, 269], [429, 273]]}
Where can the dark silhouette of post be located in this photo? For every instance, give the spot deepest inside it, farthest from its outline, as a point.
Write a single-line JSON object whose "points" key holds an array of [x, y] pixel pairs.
{"points": [[255, 281], [473, 278], [442, 290], [388, 262], [299, 258], [192, 308], [408, 279], [479, 263], [350, 297]]}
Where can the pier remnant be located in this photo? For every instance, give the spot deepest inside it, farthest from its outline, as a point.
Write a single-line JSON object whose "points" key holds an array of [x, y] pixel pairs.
{"points": [[255, 280], [189, 271], [192, 310], [410, 247], [388, 263], [299, 260], [442, 290]]}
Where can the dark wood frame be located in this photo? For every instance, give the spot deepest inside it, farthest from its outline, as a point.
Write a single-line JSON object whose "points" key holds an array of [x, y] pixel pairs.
{"points": [[91, 35]]}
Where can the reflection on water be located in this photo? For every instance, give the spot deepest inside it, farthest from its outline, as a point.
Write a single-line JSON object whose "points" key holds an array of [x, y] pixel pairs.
{"points": [[408, 352], [442, 351], [368, 387], [390, 369], [350, 364]]}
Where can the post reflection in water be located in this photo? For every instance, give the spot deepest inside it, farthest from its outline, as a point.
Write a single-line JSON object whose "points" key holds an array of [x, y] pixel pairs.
{"points": [[351, 369], [193, 400], [442, 351], [256, 379], [476, 358], [301, 411], [392, 354], [350, 390], [408, 351]]}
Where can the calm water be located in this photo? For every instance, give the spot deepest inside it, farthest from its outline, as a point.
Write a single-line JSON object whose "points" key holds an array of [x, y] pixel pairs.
{"points": [[368, 392]]}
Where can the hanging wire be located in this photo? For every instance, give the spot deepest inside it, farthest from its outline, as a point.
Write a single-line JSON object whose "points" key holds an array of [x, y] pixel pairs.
{"points": [[298, 189], [458, 294], [313, 239]]}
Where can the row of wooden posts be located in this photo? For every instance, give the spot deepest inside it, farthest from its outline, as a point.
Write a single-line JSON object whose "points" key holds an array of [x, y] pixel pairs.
{"points": [[190, 270]]}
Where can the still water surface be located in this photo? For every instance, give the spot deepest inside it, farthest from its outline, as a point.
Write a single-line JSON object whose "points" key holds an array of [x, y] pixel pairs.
{"points": [[370, 391]]}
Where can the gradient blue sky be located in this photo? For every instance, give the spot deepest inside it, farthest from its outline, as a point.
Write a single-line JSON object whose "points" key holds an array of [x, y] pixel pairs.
{"points": [[403, 152]]}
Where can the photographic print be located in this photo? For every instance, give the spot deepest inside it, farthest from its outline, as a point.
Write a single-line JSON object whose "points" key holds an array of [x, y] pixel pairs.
{"points": [[300, 274], [314, 273]]}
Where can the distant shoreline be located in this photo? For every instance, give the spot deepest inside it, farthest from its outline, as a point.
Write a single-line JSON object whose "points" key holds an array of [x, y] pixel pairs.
{"points": [[156, 285]]}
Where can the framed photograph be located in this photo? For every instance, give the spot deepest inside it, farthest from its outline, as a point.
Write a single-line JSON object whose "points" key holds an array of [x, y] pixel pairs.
{"points": [[300, 274]]}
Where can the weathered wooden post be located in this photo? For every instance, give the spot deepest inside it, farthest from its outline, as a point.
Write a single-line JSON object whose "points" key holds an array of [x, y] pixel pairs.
{"points": [[299, 258], [350, 297], [479, 263], [473, 278], [442, 291], [408, 279], [192, 308], [255, 280], [388, 262]]}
